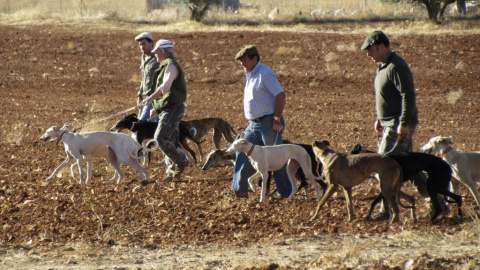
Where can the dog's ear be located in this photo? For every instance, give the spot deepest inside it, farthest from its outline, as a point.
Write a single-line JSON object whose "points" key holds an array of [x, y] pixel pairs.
{"points": [[449, 141], [355, 150], [446, 140], [66, 126], [322, 145]]}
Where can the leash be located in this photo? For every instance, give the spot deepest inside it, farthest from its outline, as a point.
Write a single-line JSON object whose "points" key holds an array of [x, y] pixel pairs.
{"points": [[364, 186], [108, 117]]}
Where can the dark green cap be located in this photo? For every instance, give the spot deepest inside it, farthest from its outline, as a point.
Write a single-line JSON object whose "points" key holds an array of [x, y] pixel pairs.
{"points": [[247, 50], [376, 37]]}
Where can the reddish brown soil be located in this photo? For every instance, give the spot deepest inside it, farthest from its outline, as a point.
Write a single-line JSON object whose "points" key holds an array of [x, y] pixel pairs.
{"points": [[56, 74]]}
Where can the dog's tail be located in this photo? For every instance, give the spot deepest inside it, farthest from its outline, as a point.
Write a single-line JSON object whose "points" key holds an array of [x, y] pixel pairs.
{"points": [[232, 130], [194, 131], [147, 148], [183, 131], [144, 148]]}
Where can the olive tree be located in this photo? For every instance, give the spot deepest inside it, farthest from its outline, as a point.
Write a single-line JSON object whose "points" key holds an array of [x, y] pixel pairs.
{"points": [[199, 8], [435, 8]]}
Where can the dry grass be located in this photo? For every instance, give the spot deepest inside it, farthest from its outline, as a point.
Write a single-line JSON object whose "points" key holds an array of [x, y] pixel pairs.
{"points": [[252, 15], [454, 97]]}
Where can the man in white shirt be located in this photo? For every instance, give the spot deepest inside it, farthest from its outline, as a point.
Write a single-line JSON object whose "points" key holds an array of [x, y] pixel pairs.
{"points": [[264, 101]]}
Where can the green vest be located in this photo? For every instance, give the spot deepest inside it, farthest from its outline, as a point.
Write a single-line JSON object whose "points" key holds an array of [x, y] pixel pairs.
{"points": [[178, 90]]}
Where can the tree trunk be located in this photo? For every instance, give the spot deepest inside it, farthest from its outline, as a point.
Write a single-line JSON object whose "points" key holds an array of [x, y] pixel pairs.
{"points": [[461, 7], [435, 9]]}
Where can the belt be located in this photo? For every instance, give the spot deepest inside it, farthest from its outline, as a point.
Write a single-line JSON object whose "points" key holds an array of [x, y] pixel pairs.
{"points": [[260, 118]]}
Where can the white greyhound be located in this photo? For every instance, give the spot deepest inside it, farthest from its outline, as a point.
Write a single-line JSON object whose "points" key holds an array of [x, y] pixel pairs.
{"points": [[273, 158], [465, 165], [101, 151], [121, 148]]}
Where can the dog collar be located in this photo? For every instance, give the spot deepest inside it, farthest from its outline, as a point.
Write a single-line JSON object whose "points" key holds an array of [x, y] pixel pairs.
{"points": [[251, 150], [133, 126], [446, 151], [61, 135]]}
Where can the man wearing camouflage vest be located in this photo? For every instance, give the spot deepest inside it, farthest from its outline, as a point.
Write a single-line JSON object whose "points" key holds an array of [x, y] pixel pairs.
{"points": [[168, 98]]}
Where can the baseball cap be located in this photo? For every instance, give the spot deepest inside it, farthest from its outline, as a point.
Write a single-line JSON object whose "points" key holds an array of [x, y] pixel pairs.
{"points": [[247, 50], [376, 37], [143, 36], [162, 44]]}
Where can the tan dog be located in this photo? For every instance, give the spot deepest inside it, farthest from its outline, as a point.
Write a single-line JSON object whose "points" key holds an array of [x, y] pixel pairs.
{"points": [[273, 158], [198, 128], [351, 170]]}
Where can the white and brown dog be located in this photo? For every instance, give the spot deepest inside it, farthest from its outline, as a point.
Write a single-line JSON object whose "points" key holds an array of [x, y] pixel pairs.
{"points": [[273, 158], [465, 165], [121, 149]]}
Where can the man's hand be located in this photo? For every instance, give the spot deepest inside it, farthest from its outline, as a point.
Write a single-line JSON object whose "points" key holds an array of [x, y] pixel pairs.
{"points": [[145, 102], [139, 99], [277, 126], [153, 113], [403, 131], [378, 128]]}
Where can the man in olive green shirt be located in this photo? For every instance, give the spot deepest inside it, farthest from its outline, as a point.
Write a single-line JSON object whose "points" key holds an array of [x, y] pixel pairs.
{"points": [[148, 65], [395, 99]]}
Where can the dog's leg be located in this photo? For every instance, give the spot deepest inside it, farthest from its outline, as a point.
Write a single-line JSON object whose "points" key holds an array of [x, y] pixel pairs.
{"points": [[388, 192], [183, 143], [72, 169], [67, 160], [330, 190], [217, 136], [374, 203], [348, 196], [263, 193], [472, 186], [411, 200], [303, 182], [252, 178], [79, 164], [458, 200], [112, 158], [89, 160], [306, 165], [135, 165], [202, 157], [292, 167], [436, 204]]}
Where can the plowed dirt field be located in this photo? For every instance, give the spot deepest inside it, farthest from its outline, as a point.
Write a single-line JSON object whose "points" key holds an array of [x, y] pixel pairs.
{"points": [[52, 74]]}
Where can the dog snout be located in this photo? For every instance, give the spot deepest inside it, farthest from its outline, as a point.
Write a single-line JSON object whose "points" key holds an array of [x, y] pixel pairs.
{"points": [[230, 150], [426, 149], [44, 138], [115, 129]]}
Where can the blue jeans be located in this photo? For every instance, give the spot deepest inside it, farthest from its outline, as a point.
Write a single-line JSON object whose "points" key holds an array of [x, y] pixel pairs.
{"points": [[260, 133], [145, 115]]}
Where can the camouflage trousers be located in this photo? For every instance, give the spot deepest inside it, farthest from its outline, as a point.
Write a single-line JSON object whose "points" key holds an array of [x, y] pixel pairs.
{"points": [[167, 136]]}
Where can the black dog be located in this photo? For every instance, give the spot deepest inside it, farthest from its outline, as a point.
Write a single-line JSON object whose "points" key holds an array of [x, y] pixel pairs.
{"points": [[143, 130], [439, 176]]}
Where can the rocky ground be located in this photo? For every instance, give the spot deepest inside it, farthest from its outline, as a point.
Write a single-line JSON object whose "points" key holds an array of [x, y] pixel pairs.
{"points": [[52, 74]]}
